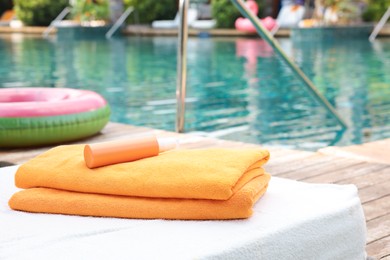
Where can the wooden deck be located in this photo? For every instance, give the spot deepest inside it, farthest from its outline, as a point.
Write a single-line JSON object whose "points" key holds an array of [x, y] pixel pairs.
{"points": [[146, 30], [351, 165]]}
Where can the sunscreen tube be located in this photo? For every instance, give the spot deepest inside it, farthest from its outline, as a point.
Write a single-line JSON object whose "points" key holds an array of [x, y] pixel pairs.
{"points": [[127, 150]]}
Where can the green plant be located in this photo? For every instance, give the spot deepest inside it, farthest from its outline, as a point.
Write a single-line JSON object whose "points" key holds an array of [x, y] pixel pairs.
{"points": [[38, 12], [375, 10], [146, 11], [328, 3], [225, 13], [90, 10], [5, 5], [348, 11]]}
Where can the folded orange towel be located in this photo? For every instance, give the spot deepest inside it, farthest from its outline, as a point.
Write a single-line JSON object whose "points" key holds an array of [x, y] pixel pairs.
{"points": [[181, 184]]}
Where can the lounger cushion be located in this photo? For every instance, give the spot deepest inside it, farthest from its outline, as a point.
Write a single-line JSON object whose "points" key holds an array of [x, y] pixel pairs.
{"points": [[293, 220]]}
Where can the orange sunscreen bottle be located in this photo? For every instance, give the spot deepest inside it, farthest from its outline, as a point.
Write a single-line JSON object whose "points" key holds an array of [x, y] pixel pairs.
{"points": [[101, 154]]}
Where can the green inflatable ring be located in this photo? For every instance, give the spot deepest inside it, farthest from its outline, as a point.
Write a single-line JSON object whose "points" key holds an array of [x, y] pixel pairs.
{"points": [[35, 130], [38, 131]]}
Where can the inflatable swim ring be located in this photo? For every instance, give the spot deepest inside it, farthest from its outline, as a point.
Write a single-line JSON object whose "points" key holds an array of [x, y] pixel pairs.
{"points": [[43, 116], [245, 25]]}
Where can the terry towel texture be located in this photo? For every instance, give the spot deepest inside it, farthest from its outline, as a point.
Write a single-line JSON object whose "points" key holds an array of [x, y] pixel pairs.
{"points": [[180, 184]]}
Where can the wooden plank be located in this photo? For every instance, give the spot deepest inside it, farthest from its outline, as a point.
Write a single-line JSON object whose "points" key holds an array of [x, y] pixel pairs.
{"points": [[338, 175], [375, 192], [377, 151], [379, 228], [218, 32], [379, 249], [375, 177], [21, 156], [377, 208], [285, 156], [320, 168], [326, 173], [37, 30], [147, 30], [285, 168]]}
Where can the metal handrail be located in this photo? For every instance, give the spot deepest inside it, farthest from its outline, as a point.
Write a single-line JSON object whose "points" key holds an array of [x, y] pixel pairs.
{"points": [[119, 22], [275, 45], [58, 18], [182, 62], [182, 65], [380, 25]]}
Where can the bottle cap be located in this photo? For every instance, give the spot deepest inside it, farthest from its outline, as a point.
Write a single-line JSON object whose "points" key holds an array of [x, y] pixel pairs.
{"points": [[167, 143]]}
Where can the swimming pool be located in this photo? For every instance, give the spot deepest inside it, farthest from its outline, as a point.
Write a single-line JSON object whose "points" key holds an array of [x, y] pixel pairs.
{"points": [[238, 89]]}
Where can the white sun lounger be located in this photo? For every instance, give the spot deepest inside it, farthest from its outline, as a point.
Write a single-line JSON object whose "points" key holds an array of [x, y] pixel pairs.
{"points": [[7, 17], [192, 15], [203, 24], [293, 220]]}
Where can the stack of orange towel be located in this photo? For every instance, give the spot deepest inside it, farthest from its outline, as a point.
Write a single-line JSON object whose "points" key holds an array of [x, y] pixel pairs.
{"points": [[179, 184]]}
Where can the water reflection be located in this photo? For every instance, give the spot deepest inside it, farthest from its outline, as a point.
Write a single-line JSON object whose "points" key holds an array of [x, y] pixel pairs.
{"points": [[236, 89], [346, 71], [282, 111], [251, 49]]}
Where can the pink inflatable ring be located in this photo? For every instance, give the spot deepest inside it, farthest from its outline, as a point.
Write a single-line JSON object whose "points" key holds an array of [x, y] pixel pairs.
{"points": [[43, 116]]}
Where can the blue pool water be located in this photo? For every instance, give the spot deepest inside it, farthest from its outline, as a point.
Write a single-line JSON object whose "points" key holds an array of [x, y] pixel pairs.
{"points": [[238, 89]]}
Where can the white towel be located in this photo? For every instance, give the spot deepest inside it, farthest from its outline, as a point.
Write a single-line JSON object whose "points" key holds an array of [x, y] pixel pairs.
{"points": [[293, 220]]}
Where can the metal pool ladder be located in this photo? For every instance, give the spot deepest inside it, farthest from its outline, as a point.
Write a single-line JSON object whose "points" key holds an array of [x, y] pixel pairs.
{"points": [[119, 22], [61, 16], [263, 33], [380, 25]]}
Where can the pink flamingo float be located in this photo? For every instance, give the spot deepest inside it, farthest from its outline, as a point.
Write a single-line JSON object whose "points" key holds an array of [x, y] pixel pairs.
{"points": [[245, 25]]}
